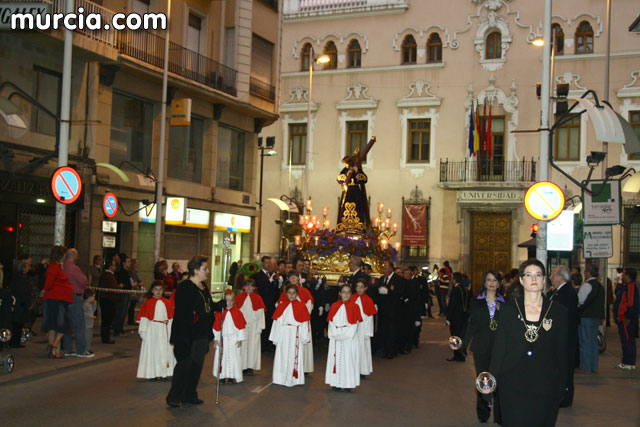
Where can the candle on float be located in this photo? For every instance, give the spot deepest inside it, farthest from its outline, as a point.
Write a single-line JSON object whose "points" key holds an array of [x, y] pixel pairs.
{"points": [[314, 219], [325, 211], [380, 207], [326, 223], [297, 240], [316, 240], [309, 205], [397, 245], [376, 222], [301, 220], [389, 213], [383, 244], [395, 227], [387, 223]]}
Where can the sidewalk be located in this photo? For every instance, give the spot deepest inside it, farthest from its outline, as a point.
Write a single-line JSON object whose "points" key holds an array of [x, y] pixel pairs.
{"points": [[32, 363]]}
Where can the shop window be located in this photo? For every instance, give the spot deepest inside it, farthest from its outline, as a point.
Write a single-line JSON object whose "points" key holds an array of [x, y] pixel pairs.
{"points": [[231, 149], [47, 89], [131, 132], [354, 54], [493, 47], [419, 138], [305, 56], [332, 52], [584, 38], [185, 151], [634, 121], [566, 141], [434, 48], [356, 137], [631, 238], [557, 39], [409, 49]]}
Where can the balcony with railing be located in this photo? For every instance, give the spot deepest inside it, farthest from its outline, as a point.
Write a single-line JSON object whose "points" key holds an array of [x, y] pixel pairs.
{"points": [[309, 8], [106, 37], [262, 89], [490, 172], [149, 48]]}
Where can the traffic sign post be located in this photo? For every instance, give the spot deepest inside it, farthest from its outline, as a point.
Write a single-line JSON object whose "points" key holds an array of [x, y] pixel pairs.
{"points": [[544, 201], [110, 205], [66, 185]]}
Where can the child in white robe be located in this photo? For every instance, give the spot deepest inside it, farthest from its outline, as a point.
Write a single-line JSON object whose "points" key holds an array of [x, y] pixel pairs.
{"points": [[290, 331], [252, 307], [343, 361], [365, 330], [228, 338], [155, 318], [304, 296]]}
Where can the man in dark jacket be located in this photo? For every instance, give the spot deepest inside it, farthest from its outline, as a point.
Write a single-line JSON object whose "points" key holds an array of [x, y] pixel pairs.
{"points": [[566, 295], [191, 332], [591, 297], [458, 312], [356, 266], [390, 289], [268, 290]]}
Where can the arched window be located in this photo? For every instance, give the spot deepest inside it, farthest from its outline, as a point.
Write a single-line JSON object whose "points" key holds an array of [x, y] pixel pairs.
{"points": [[409, 50], [354, 54], [332, 52], [493, 46], [557, 39], [304, 57], [584, 38], [434, 48]]}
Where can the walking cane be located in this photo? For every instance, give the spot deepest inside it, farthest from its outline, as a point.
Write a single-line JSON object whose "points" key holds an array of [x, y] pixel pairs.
{"points": [[220, 357]]}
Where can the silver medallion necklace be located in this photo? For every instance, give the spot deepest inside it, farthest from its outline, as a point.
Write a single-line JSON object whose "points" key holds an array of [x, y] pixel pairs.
{"points": [[532, 331]]}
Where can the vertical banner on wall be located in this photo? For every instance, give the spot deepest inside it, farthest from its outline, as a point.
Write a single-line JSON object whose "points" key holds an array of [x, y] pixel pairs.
{"points": [[414, 225]]}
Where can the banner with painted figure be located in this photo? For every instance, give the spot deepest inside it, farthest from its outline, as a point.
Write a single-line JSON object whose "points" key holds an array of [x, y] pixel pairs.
{"points": [[414, 225]]}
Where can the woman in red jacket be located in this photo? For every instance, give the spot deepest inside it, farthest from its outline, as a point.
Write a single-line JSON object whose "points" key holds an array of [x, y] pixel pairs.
{"points": [[57, 298]]}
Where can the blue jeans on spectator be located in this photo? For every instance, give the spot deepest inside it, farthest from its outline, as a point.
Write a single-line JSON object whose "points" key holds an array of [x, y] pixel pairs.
{"points": [[588, 338], [77, 323]]}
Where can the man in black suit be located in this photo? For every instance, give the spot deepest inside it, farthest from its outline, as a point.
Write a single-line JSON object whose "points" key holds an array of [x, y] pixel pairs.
{"points": [[458, 312], [388, 303], [566, 295], [356, 267], [397, 286], [268, 290]]}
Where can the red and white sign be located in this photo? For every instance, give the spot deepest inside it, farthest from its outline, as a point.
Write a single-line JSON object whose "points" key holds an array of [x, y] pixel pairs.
{"points": [[66, 185], [414, 225], [110, 205]]}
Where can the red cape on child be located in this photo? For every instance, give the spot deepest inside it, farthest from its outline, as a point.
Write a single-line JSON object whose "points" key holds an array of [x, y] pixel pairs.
{"points": [[148, 309], [303, 293], [353, 311], [368, 307], [256, 301], [236, 315], [300, 312]]}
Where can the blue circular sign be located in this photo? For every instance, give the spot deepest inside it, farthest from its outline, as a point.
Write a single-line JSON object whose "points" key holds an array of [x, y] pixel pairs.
{"points": [[66, 185]]}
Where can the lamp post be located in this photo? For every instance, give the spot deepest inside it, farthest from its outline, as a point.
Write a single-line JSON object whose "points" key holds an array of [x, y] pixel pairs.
{"points": [[271, 141], [307, 155], [163, 125]]}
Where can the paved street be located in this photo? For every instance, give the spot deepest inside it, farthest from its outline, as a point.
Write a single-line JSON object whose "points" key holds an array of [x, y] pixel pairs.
{"points": [[417, 389]]}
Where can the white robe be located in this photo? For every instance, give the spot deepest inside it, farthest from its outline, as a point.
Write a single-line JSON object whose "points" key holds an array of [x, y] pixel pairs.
{"points": [[343, 352], [156, 354], [231, 355], [251, 348], [365, 332], [307, 350], [288, 335]]}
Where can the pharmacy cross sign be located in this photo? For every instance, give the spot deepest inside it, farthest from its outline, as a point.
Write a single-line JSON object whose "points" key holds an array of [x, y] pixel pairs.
{"points": [[66, 185], [110, 205]]}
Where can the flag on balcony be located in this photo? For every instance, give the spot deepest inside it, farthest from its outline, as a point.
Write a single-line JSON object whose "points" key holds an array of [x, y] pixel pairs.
{"points": [[476, 135], [483, 129], [489, 136], [471, 129]]}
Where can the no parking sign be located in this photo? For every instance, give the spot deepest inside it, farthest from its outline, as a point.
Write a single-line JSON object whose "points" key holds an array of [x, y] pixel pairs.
{"points": [[66, 185], [110, 205]]}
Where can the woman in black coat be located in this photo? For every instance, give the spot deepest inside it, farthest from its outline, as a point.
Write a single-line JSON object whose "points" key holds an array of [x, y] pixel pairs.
{"points": [[485, 317], [529, 353]]}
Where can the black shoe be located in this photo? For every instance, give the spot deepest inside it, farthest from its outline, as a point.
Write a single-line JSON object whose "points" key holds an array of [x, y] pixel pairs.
{"points": [[249, 372], [194, 402], [18, 346], [173, 403], [454, 359]]}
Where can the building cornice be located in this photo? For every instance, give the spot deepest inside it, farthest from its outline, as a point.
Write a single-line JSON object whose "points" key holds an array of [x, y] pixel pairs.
{"points": [[392, 68]]}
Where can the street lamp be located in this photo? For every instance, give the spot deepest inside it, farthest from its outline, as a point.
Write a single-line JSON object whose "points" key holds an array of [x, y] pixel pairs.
{"points": [[323, 59], [270, 142]]}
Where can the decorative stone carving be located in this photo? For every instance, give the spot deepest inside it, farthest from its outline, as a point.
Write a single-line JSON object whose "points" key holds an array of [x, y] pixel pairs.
{"points": [[419, 96], [630, 89], [357, 98], [298, 101]]}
